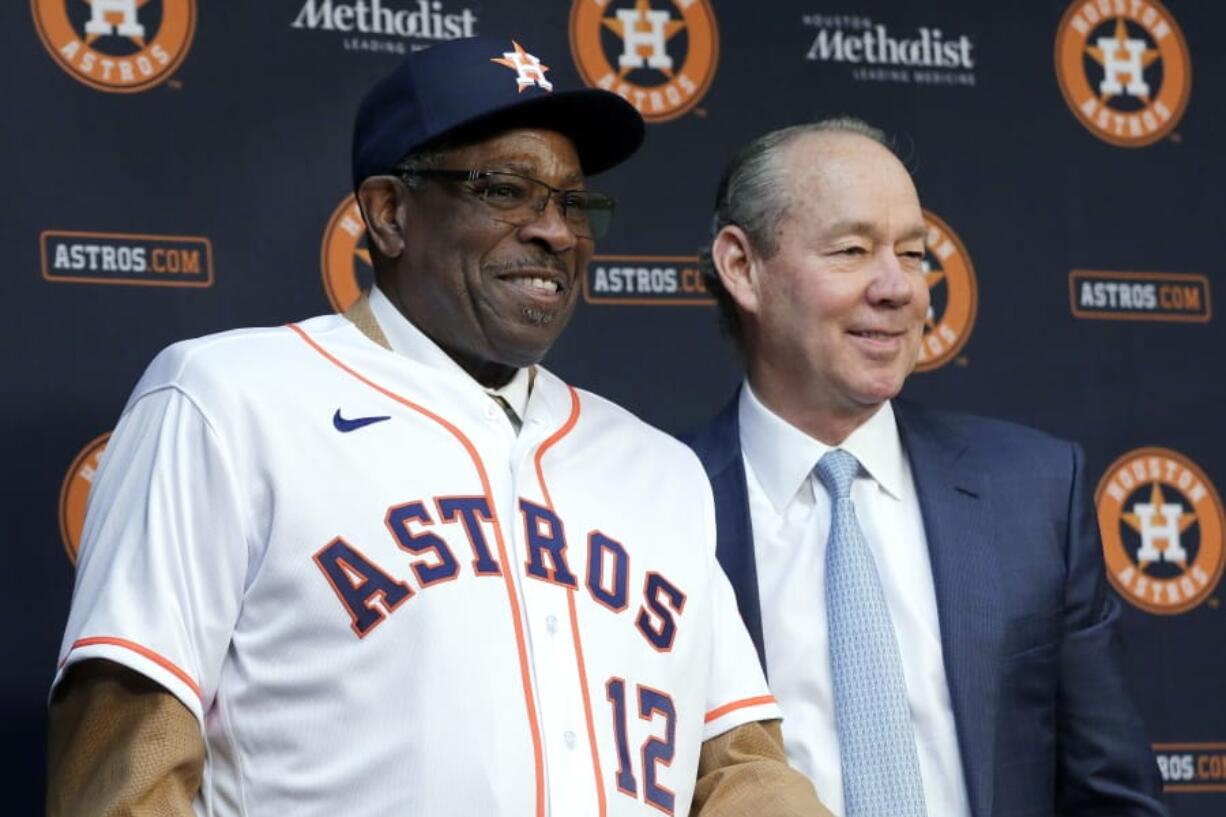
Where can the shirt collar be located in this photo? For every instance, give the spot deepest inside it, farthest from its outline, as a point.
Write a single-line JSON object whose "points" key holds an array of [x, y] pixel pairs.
{"points": [[409, 341], [783, 457]]}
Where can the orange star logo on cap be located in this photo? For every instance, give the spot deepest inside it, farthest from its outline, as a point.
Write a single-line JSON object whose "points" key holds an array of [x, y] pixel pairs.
{"points": [[528, 69]]}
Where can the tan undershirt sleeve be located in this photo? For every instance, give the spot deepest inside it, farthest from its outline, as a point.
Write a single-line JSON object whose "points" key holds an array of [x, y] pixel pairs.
{"points": [[744, 772], [120, 745]]}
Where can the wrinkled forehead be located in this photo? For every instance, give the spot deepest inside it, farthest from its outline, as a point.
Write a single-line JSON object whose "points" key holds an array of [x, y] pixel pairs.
{"points": [[840, 158], [844, 172], [539, 152]]}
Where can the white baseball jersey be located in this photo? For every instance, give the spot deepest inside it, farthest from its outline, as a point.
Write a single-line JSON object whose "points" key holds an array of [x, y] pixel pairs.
{"points": [[380, 600]]}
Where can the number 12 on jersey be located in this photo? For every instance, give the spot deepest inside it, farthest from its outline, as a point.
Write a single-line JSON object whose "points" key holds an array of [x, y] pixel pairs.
{"points": [[655, 750]]}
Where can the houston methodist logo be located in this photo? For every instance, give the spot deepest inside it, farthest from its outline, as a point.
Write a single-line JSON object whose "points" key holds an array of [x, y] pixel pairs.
{"points": [[953, 293], [75, 492], [386, 26], [1124, 69], [873, 52], [659, 55], [343, 258], [1161, 523], [121, 46]]}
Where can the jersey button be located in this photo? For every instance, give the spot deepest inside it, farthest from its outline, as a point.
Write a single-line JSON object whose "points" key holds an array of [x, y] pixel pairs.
{"points": [[569, 737], [491, 411], [551, 624]]}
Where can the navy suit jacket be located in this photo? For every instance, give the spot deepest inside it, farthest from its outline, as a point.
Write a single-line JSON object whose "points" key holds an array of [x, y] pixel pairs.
{"points": [[1029, 629]]}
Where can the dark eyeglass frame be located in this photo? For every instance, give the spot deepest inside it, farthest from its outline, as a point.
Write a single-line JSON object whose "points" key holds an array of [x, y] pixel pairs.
{"points": [[595, 208]]}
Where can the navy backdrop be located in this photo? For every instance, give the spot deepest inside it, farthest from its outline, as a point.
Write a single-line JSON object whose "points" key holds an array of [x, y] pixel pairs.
{"points": [[177, 168]]}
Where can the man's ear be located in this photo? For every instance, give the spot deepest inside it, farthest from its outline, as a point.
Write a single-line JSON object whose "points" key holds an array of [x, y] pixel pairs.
{"points": [[381, 199], [737, 264]]}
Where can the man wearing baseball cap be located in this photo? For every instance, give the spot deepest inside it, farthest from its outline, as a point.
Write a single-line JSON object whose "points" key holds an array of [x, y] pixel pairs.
{"points": [[383, 562]]}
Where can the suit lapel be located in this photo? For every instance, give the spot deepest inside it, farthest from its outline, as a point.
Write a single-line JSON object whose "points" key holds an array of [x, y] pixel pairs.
{"points": [[719, 447], [959, 529]]}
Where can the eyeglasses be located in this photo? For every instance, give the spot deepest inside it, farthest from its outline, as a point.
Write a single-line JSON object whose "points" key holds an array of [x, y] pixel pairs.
{"points": [[521, 200]]}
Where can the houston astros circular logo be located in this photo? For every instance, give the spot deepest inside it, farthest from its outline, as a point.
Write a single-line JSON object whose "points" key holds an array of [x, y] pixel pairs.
{"points": [[75, 492], [122, 46], [953, 294], [344, 259], [658, 54], [1161, 523], [1124, 69]]}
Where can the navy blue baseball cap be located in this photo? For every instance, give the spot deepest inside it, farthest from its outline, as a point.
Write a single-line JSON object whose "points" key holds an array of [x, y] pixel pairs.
{"points": [[481, 85]]}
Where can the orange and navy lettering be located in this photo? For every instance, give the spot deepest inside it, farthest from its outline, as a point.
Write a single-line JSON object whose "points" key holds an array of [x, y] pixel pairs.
{"points": [[601, 550], [653, 702], [513, 602], [655, 752], [472, 511], [544, 533], [398, 519], [367, 593], [615, 693], [663, 599]]}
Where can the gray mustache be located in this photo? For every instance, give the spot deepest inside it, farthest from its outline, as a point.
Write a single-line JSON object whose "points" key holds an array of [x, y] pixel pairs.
{"points": [[516, 265]]}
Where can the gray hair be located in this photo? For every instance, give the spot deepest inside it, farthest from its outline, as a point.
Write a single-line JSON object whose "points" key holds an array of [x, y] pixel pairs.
{"points": [[425, 159], [753, 194]]}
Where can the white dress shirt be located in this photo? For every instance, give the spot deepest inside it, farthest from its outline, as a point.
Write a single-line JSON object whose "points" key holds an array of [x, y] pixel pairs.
{"points": [[790, 512]]}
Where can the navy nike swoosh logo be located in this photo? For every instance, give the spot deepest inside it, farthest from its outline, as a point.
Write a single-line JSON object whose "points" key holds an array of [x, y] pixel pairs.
{"points": [[345, 426]]}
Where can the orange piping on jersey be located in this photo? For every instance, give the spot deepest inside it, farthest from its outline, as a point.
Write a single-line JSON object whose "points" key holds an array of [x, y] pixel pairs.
{"points": [[139, 650], [524, 673], [570, 601], [554, 438], [719, 712], [587, 704]]}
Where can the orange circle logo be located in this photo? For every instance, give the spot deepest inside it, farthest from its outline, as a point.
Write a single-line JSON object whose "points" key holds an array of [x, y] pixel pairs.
{"points": [[658, 55], [953, 295], [344, 259], [1124, 69], [1161, 523], [121, 46], [74, 493]]}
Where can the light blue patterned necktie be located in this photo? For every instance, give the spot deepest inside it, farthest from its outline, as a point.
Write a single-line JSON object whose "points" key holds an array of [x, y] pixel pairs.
{"points": [[881, 775]]}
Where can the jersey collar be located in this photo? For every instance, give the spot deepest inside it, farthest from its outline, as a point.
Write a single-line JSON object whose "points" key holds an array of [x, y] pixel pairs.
{"points": [[406, 339]]}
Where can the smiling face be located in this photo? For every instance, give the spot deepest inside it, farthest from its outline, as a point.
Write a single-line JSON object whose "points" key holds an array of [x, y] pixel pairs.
{"points": [[836, 315], [493, 295]]}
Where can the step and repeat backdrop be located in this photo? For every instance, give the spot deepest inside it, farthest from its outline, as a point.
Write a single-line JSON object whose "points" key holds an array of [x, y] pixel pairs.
{"points": [[177, 167]]}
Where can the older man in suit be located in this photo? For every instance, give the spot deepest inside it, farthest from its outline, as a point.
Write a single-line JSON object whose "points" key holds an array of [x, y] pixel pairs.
{"points": [[925, 589]]}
